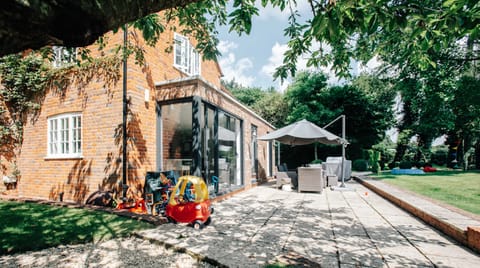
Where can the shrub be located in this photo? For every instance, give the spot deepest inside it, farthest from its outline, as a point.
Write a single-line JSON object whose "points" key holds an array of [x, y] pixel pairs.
{"points": [[419, 164], [405, 165], [439, 156], [375, 157], [360, 165]]}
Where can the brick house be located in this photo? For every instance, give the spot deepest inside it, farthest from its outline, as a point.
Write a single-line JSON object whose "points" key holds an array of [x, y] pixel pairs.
{"points": [[179, 118]]}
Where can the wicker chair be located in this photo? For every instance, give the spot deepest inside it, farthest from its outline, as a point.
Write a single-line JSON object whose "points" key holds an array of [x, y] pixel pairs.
{"points": [[310, 179]]}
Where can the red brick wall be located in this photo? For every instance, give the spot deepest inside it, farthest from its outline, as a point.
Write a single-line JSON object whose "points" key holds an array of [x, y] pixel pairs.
{"points": [[46, 178], [101, 109], [473, 238]]}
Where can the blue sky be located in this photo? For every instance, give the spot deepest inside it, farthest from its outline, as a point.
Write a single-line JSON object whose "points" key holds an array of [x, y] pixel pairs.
{"points": [[252, 59]]}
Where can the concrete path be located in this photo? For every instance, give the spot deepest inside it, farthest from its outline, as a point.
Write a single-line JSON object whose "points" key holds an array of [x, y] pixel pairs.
{"points": [[355, 228]]}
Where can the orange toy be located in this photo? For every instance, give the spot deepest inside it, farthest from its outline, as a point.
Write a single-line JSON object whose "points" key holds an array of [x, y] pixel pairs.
{"points": [[189, 202]]}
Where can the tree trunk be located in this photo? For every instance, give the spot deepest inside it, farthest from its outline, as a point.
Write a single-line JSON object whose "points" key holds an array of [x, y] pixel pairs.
{"points": [[69, 23], [402, 145], [477, 155]]}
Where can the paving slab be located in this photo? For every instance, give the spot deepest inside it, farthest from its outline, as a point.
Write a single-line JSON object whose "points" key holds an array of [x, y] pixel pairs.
{"points": [[355, 228]]}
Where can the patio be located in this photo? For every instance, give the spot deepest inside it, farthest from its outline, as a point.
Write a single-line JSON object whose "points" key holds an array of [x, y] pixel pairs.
{"points": [[332, 229]]}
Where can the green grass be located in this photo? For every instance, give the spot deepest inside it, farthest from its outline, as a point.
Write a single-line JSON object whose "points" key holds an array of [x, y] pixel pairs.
{"points": [[30, 226], [456, 188]]}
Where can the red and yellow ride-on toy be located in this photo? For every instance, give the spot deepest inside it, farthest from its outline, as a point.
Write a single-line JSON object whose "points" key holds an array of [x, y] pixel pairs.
{"points": [[189, 202]]}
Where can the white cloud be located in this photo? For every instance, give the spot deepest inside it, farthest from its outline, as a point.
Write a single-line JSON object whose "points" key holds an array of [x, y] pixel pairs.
{"points": [[276, 59], [225, 46], [372, 64], [234, 69], [267, 13]]}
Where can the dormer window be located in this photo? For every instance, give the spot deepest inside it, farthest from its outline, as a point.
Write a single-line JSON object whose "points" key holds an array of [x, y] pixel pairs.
{"points": [[186, 58], [63, 56]]}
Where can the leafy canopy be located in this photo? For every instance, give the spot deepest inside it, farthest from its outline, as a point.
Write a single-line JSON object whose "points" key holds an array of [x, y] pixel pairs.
{"points": [[369, 114], [332, 32], [336, 31]]}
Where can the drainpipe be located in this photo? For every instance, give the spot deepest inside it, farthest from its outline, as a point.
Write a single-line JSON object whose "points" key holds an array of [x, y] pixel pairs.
{"points": [[124, 121]]}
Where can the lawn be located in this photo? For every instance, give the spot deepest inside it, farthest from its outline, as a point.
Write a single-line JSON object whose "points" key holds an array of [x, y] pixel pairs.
{"points": [[456, 188], [30, 226]]}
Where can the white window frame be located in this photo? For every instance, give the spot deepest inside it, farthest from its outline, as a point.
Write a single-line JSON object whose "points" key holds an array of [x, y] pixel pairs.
{"points": [[185, 57], [63, 56], [64, 136]]}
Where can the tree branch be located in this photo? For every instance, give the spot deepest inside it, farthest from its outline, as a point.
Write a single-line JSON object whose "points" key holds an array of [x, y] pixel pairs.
{"points": [[69, 23]]}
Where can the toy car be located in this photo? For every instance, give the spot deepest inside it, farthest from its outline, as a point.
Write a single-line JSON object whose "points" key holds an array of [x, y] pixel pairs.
{"points": [[189, 202]]}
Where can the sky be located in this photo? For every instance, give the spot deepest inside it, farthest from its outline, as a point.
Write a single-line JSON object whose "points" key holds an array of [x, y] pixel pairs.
{"points": [[251, 59]]}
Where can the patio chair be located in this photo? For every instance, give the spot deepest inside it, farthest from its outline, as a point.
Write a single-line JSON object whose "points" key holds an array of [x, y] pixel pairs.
{"points": [[310, 179], [284, 177]]}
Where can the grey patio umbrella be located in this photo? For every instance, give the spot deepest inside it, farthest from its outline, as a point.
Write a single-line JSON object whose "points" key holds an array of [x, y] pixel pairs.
{"points": [[301, 133], [305, 132]]}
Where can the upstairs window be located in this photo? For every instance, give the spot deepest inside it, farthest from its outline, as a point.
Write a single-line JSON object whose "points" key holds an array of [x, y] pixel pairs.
{"points": [[186, 58], [65, 135], [63, 56]]}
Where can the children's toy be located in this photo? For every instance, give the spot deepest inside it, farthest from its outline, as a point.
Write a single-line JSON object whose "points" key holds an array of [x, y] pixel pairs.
{"points": [[158, 186], [189, 202]]}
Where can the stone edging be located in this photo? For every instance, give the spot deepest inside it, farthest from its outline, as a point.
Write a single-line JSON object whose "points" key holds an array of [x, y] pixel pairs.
{"points": [[469, 238]]}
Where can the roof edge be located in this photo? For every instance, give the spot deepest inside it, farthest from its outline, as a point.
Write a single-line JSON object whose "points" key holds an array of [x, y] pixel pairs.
{"points": [[210, 85]]}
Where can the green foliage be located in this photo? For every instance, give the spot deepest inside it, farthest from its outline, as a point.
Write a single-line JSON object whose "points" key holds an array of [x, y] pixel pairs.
{"points": [[437, 102], [23, 84], [50, 226], [23, 80], [150, 27], [439, 155], [241, 16], [332, 33], [466, 108], [304, 98], [405, 165], [374, 160], [269, 104], [368, 114], [386, 148], [397, 32], [360, 165], [273, 108], [248, 96]]}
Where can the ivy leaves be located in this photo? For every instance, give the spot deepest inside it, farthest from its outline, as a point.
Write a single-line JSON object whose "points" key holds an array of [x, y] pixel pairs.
{"points": [[22, 82], [21, 87]]}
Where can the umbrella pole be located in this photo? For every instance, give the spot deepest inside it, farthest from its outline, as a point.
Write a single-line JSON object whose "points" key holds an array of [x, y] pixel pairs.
{"points": [[278, 154], [343, 152]]}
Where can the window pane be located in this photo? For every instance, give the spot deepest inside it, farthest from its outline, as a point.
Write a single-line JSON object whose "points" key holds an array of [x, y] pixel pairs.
{"points": [[185, 56], [254, 150], [76, 134], [177, 137], [178, 52], [64, 136], [196, 65], [53, 136]]}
